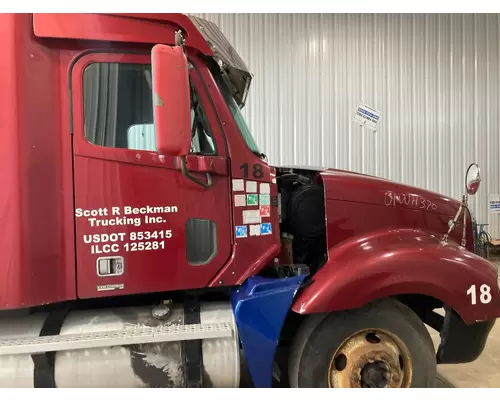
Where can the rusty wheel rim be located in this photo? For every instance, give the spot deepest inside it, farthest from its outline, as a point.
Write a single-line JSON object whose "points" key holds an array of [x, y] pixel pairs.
{"points": [[371, 358]]}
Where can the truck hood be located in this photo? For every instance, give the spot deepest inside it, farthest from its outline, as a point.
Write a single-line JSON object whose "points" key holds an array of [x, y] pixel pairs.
{"points": [[355, 187]]}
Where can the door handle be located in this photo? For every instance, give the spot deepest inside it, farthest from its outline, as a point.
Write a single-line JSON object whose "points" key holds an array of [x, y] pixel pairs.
{"points": [[199, 163], [187, 174]]}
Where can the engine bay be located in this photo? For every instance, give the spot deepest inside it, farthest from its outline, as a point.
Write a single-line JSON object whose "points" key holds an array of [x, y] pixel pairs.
{"points": [[302, 217]]}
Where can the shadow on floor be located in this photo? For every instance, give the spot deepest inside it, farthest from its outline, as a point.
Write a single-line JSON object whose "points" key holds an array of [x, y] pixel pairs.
{"points": [[442, 383]]}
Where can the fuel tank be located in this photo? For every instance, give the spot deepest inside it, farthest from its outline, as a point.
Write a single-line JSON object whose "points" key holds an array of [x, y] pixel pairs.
{"points": [[143, 365]]}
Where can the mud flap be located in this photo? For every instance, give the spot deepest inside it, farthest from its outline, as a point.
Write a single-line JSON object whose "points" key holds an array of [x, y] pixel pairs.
{"points": [[462, 343]]}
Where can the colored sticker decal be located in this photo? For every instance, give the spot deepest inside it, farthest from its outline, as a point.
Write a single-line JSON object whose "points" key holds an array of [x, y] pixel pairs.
{"points": [[265, 200], [254, 230], [241, 232], [266, 229], [251, 217], [240, 200], [251, 187], [265, 211], [265, 188], [252, 199], [238, 185]]}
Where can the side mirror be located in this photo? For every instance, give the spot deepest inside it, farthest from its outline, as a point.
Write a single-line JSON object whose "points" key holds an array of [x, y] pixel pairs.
{"points": [[472, 179], [171, 100], [472, 182]]}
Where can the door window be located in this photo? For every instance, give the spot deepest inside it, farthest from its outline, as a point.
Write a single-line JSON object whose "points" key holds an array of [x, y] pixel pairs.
{"points": [[118, 109]]}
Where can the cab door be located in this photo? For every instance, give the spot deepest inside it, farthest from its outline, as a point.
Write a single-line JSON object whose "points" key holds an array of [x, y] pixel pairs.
{"points": [[141, 226]]}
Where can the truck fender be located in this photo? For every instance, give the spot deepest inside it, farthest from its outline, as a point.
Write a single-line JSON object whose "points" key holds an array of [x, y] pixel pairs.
{"points": [[396, 262]]}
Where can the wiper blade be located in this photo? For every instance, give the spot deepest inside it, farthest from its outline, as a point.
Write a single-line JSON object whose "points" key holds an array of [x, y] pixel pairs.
{"points": [[260, 155]]}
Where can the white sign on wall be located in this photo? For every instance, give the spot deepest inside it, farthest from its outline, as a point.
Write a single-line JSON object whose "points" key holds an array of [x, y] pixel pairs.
{"points": [[367, 117], [494, 203]]}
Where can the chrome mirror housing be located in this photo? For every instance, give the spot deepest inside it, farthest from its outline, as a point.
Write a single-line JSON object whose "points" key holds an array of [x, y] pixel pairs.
{"points": [[472, 179]]}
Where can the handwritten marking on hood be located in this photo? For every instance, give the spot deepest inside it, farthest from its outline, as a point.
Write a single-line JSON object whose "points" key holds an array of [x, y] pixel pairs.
{"points": [[393, 199]]}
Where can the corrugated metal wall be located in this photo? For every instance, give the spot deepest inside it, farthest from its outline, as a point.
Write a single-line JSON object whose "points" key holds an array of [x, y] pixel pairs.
{"points": [[435, 78]]}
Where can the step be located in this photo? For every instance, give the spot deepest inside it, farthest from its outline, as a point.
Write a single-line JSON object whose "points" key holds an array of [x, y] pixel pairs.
{"points": [[122, 337]]}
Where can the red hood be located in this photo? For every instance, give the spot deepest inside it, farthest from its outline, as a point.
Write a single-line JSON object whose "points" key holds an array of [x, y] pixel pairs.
{"points": [[359, 188]]}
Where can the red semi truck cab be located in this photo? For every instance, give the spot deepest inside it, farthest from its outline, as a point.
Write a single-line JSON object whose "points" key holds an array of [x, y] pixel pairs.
{"points": [[133, 190]]}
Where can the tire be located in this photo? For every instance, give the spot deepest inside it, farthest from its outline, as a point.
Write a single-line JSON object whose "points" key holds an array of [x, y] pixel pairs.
{"points": [[382, 325]]}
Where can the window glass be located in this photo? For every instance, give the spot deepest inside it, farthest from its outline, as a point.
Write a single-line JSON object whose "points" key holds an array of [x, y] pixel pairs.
{"points": [[118, 109], [237, 115], [201, 241]]}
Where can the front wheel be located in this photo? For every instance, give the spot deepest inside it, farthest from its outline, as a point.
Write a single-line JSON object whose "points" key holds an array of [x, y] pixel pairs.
{"points": [[384, 344]]}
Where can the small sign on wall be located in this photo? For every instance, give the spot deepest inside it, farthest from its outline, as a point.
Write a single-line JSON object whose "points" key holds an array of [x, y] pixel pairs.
{"points": [[494, 203], [367, 117]]}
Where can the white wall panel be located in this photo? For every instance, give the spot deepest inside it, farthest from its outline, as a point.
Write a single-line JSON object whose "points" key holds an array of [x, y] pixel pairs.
{"points": [[435, 78]]}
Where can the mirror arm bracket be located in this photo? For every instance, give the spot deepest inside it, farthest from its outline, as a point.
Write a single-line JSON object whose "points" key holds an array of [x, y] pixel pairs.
{"points": [[180, 41], [453, 223], [472, 181], [464, 231], [187, 174]]}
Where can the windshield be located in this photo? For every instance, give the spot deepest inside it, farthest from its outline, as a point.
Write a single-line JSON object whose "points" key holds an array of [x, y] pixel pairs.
{"points": [[237, 115]]}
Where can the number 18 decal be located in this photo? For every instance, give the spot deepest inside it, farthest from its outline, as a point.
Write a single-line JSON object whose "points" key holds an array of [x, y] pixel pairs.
{"points": [[484, 297]]}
